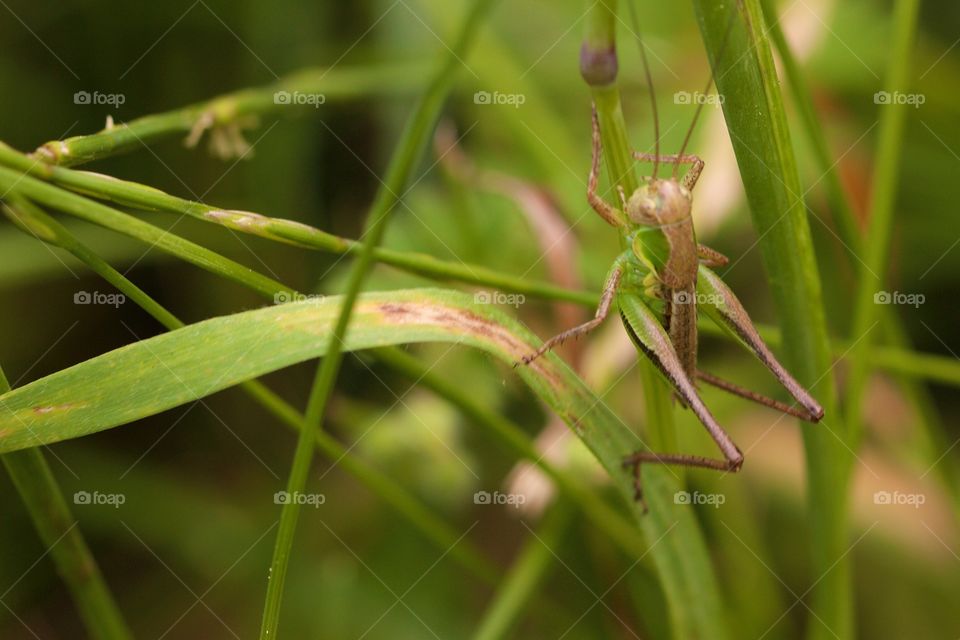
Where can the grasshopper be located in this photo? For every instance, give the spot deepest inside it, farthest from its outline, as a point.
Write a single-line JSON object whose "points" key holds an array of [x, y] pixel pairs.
{"points": [[659, 282]]}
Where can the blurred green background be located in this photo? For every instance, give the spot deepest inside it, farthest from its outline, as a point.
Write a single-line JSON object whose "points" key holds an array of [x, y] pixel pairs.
{"points": [[187, 552]]}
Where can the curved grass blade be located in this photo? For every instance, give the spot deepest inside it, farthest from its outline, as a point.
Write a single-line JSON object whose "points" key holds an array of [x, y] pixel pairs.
{"points": [[42, 226], [35, 221], [899, 360], [200, 359], [174, 368]]}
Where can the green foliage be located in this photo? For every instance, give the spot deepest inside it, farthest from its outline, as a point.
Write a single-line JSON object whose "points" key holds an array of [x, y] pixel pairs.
{"points": [[398, 549]]}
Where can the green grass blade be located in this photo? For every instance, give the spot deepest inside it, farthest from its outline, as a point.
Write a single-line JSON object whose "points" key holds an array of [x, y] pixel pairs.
{"points": [[754, 112], [174, 368], [840, 205], [919, 365], [498, 64], [334, 83], [402, 164], [59, 199], [433, 527], [140, 196], [935, 435], [60, 534], [31, 218], [156, 374]]}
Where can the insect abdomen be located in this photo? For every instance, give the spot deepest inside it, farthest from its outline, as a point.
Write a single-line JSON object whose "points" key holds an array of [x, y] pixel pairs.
{"points": [[681, 325]]}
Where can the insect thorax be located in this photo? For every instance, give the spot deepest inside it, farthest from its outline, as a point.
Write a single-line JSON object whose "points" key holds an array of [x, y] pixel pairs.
{"points": [[662, 237], [658, 202]]}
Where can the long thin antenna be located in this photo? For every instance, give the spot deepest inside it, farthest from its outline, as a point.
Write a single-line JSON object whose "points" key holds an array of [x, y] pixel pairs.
{"points": [[706, 90], [653, 97]]}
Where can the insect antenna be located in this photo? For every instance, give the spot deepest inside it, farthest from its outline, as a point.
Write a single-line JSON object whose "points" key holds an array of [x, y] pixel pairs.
{"points": [[653, 97], [706, 90]]}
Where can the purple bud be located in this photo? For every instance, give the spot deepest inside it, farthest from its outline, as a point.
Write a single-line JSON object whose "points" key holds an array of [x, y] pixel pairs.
{"points": [[598, 66]]}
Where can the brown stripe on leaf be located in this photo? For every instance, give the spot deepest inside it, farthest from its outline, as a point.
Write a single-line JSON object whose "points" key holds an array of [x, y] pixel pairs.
{"points": [[467, 322]]}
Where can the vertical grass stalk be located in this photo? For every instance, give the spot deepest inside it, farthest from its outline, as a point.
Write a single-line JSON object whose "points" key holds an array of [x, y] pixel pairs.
{"points": [[42, 226], [754, 112], [935, 437], [681, 558], [409, 149]]}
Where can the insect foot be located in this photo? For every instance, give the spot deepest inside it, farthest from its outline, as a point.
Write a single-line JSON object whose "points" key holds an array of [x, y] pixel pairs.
{"points": [[633, 462], [525, 360]]}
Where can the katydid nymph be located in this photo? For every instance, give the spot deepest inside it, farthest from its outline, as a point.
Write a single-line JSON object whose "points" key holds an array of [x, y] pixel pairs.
{"points": [[658, 284]]}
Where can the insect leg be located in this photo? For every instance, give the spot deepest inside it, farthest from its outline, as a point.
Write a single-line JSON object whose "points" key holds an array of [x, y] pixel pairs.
{"points": [[753, 396], [725, 309], [603, 310], [650, 337], [606, 211], [690, 178], [711, 257]]}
